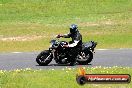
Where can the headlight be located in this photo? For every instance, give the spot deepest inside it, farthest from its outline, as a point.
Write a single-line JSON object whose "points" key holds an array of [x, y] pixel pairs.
{"points": [[51, 45]]}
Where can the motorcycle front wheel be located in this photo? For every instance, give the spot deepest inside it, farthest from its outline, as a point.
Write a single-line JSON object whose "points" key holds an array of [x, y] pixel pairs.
{"points": [[44, 58]]}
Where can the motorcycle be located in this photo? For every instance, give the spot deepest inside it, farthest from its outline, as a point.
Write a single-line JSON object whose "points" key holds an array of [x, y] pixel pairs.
{"points": [[62, 55]]}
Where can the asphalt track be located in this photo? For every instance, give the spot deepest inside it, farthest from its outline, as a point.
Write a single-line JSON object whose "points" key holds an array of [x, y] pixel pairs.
{"points": [[108, 58]]}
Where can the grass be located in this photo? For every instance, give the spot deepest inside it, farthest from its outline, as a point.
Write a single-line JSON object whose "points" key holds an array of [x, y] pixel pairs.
{"points": [[110, 38], [106, 21], [65, 78]]}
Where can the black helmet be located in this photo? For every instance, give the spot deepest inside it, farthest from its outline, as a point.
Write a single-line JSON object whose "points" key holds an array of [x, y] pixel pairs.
{"points": [[73, 28]]}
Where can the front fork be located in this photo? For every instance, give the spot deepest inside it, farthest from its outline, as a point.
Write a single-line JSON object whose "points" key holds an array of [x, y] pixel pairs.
{"points": [[55, 55], [48, 56]]}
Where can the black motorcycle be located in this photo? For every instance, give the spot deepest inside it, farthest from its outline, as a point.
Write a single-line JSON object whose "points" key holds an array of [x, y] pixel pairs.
{"points": [[62, 55]]}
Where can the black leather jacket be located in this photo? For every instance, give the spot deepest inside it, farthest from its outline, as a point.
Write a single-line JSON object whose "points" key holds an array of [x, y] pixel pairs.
{"points": [[75, 37]]}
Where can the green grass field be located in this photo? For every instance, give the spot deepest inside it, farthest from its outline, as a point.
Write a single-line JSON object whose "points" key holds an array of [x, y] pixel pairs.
{"points": [[63, 78], [106, 21], [28, 25]]}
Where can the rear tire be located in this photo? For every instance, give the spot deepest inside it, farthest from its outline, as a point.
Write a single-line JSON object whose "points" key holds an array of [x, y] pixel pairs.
{"points": [[42, 56], [89, 58]]}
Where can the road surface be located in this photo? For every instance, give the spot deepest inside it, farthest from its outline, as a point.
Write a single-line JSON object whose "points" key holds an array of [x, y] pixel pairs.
{"points": [[22, 60]]}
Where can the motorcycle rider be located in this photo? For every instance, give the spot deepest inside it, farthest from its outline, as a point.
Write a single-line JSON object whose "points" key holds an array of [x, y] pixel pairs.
{"points": [[76, 43], [74, 34]]}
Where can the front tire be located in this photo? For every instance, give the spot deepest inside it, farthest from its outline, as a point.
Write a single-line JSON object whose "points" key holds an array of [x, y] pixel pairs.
{"points": [[44, 58], [89, 57]]}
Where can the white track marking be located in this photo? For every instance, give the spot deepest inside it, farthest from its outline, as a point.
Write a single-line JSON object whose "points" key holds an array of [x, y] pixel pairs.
{"points": [[116, 49], [16, 52], [102, 49]]}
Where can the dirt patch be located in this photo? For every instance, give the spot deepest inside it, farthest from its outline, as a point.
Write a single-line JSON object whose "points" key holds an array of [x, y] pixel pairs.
{"points": [[21, 38], [85, 24], [89, 24]]}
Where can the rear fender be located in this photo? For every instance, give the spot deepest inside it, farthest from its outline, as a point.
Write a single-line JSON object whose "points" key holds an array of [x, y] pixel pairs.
{"points": [[89, 46]]}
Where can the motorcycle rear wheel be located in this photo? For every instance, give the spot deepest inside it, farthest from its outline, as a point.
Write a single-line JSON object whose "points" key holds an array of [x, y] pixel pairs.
{"points": [[44, 58], [89, 57]]}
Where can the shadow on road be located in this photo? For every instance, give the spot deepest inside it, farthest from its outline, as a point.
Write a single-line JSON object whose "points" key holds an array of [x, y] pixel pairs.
{"points": [[65, 65]]}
